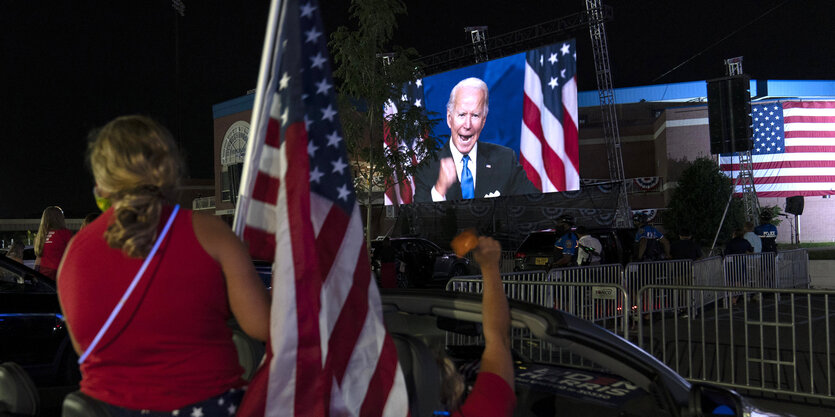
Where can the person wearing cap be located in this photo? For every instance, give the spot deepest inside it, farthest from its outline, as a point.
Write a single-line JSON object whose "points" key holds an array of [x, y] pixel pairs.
{"points": [[565, 247], [648, 238], [767, 233]]}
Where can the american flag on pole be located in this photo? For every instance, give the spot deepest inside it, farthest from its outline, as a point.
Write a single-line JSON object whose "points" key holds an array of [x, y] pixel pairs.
{"points": [[401, 191], [330, 353], [549, 147], [794, 149]]}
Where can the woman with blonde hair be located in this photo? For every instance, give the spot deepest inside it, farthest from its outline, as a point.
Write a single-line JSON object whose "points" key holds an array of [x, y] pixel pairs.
{"points": [[147, 288], [51, 241]]}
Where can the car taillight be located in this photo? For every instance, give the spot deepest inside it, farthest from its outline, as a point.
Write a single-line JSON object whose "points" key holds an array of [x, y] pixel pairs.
{"points": [[520, 255]]}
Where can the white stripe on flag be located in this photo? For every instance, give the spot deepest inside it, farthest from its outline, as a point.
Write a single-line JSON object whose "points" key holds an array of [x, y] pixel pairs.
{"points": [[283, 318]]}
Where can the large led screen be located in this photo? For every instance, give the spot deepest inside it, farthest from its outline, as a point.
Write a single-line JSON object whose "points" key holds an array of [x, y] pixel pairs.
{"points": [[521, 139]]}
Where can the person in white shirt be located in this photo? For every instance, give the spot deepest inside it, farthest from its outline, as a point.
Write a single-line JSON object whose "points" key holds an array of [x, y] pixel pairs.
{"points": [[590, 250]]}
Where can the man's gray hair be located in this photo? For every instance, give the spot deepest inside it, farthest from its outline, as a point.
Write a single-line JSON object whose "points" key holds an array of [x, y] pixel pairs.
{"points": [[469, 82]]}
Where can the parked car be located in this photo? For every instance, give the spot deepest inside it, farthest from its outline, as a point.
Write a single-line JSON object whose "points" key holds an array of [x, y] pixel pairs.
{"points": [[562, 362], [32, 330], [28, 255], [421, 263], [537, 250]]}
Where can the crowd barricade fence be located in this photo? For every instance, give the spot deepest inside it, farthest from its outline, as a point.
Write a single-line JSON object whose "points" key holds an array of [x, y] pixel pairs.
{"points": [[637, 275], [792, 269], [599, 302], [775, 341]]}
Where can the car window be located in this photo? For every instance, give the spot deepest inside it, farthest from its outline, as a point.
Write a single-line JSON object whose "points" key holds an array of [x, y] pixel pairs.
{"points": [[21, 279]]}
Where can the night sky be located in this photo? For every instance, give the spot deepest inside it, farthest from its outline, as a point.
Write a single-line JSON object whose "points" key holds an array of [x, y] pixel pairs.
{"points": [[70, 66]]}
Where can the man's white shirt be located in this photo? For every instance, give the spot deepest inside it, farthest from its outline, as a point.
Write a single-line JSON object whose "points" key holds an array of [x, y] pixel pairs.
{"points": [[458, 158]]}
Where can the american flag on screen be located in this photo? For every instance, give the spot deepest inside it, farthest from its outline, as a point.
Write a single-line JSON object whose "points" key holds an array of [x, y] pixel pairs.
{"points": [[549, 147], [794, 149], [400, 191], [330, 353]]}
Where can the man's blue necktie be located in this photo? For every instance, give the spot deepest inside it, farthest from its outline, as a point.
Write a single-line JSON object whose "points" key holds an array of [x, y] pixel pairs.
{"points": [[467, 188]]}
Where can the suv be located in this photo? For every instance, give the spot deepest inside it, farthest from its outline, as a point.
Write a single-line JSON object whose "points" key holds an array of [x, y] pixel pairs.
{"points": [[537, 250], [421, 263]]}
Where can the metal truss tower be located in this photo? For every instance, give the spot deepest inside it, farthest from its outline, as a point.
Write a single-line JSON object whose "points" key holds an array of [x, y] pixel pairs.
{"points": [[745, 179], [478, 36], [611, 134]]}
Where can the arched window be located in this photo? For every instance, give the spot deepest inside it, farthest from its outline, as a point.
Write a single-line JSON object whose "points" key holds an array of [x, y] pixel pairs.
{"points": [[232, 154]]}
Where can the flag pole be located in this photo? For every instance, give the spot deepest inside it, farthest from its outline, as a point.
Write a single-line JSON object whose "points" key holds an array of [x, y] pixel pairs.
{"points": [[259, 110]]}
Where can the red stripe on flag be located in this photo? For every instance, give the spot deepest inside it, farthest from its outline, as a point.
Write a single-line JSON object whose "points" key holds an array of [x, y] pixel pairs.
{"points": [[347, 329], [806, 193], [328, 244], [554, 168], [273, 135], [789, 179], [531, 172], [311, 385], [261, 243], [382, 380], [782, 164], [571, 140], [265, 188], [809, 105]]}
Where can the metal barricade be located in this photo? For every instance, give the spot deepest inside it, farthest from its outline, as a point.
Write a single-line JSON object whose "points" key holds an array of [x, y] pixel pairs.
{"points": [[588, 301], [598, 302], [640, 274], [775, 341], [707, 272], [792, 269]]}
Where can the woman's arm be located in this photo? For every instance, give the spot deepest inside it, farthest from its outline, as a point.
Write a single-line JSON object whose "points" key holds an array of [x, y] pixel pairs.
{"points": [[495, 312], [248, 299]]}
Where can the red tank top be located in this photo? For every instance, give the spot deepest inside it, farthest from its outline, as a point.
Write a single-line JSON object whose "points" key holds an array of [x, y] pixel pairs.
{"points": [[170, 345]]}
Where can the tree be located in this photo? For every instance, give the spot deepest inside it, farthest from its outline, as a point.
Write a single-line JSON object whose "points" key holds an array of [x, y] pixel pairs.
{"points": [[699, 200], [366, 84]]}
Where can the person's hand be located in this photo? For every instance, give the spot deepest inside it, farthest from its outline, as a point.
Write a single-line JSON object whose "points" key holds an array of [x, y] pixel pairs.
{"points": [[488, 253], [447, 175]]}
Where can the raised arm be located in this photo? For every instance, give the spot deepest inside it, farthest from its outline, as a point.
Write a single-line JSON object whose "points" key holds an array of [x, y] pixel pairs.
{"points": [[495, 312]]}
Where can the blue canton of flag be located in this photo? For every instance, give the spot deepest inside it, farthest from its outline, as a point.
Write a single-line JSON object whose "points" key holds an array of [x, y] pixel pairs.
{"points": [[330, 176], [768, 129]]}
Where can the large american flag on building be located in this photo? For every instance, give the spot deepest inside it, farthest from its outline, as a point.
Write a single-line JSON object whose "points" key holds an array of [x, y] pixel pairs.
{"points": [[793, 149], [330, 353], [549, 148], [399, 187]]}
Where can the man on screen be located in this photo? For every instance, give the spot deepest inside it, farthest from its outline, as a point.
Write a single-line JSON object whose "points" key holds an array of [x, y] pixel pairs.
{"points": [[464, 168]]}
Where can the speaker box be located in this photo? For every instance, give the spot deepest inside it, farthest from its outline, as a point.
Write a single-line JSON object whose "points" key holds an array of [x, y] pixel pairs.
{"points": [[729, 113], [794, 205]]}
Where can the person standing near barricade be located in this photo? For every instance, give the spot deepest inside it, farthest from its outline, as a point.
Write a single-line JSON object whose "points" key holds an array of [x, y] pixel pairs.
{"points": [[738, 246], [565, 248], [589, 249], [767, 233], [752, 237], [652, 245], [685, 247]]}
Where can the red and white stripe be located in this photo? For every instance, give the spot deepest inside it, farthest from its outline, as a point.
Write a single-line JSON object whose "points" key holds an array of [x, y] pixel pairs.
{"points": [[807, 165], [330, 352], [549, 144]]}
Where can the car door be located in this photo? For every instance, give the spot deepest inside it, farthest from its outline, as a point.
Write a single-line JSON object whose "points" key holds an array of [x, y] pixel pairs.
{"points": [[32, 328]]}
